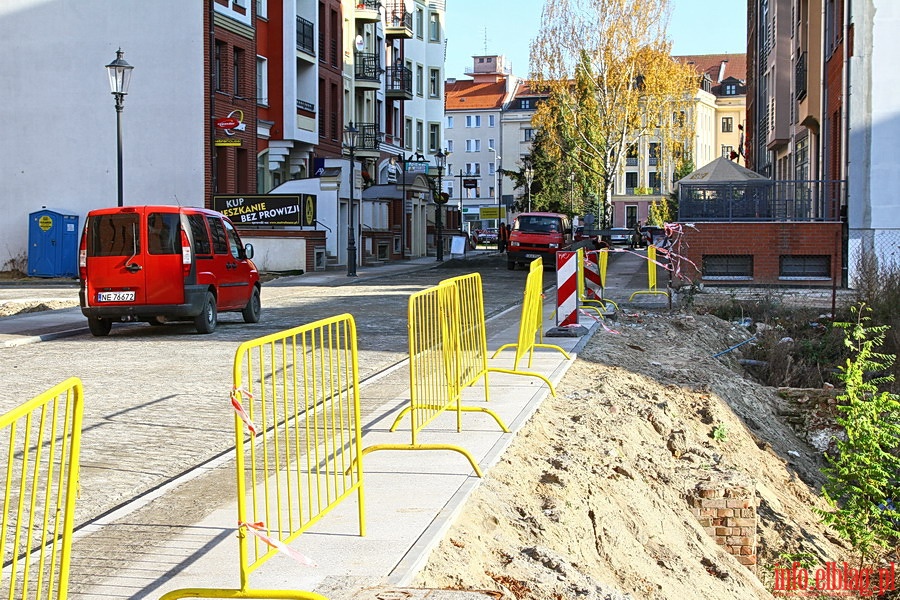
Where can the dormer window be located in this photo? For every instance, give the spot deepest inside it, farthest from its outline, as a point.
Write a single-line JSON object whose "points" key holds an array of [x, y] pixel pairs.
{"points": [[729, 89]]}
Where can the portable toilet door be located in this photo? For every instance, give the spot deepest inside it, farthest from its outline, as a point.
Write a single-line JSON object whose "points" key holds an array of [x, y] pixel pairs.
{"points": [[52, 244]]}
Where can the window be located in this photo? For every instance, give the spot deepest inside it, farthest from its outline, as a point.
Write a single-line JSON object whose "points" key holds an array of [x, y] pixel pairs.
{"points": [[262, 83], [408, 134], [449, 122], [434, 27], [654, 153], [654, 181], [473, 169], [237, 72], [434, 83], [420, 134], [420, 22], [473, 145], [450, 146], [200, 235], [727, 266], [529, 134], [631, 181], [730, 89], [805, 267], [525, 104], [218, 75], [491, 169], [434, 137], [114, 235], [261, 9], [490, 121], [473, 120], [726, 151], [678, 118], [491, 143], [727, 124], [219, 241], [420, 77]]}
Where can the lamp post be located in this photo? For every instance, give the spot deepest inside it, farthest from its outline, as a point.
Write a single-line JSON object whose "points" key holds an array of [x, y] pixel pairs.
{"points": [[439, 199], [119, 73], [497, 190], [460, 199], [529, 177], [402, 158], [350, 136]]}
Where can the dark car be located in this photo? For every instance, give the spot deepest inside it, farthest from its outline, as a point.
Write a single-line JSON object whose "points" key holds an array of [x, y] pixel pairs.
{"points": [[486, 236], [620, 235]]}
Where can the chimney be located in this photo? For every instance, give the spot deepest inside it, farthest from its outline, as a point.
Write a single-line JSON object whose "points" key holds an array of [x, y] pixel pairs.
{"points": [[722, 71]]}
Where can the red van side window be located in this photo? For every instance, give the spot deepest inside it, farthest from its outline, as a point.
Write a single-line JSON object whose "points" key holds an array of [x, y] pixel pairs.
{"points": [[200, 235], [220, 242]]}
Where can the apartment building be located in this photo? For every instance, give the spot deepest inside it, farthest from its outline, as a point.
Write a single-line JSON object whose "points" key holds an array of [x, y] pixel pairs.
{"points": [[821, 107], [473, 110]]}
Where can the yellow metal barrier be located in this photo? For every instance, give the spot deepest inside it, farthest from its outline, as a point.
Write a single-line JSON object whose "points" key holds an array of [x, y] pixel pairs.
{"points": [[437, 367], [297, 392], [42, 438], [651, 276], [531, 333], [586, 301]]}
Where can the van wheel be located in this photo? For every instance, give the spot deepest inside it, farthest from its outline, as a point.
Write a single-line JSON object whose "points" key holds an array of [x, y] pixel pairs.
{"points": [[206, 321], [253, 308], [511, 265], [99, 327], [156, 321]]}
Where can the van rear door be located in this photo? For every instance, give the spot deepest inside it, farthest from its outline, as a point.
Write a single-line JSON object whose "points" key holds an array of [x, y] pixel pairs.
{"points": [[162, 258], [115, 274]]}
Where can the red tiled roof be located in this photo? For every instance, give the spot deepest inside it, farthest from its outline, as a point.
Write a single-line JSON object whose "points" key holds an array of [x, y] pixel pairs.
{"points": [[735, 65], [469, 95]]}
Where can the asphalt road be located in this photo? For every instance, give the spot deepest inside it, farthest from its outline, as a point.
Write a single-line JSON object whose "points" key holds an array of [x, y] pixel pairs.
{"points": [[157, 397]]}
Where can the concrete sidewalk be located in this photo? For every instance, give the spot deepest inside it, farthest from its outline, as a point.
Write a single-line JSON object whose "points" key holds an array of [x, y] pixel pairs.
{"points": [[411, 499]]}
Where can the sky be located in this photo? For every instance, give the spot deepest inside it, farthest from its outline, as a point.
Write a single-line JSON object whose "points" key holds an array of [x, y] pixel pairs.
{"points": [[477, 27]]}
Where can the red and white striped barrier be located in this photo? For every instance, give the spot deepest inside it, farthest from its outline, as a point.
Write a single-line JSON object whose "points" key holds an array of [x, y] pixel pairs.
{"points": [[593, 285], [566, 288]]}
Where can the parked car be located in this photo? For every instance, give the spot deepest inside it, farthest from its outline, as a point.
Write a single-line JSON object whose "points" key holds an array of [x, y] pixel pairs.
{"points": [[486, 236], [164, 263], [538, 234], [620, 235]]}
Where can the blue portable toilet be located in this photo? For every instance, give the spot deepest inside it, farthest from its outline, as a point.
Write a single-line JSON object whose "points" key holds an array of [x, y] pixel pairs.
{"points": [[52, 243]]}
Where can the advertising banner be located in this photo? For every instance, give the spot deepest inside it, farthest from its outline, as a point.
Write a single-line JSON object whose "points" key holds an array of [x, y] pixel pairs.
{"points": [[268, 209]]}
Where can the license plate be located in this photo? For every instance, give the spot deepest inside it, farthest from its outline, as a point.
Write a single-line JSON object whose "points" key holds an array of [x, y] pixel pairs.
{"points": [[115, 297], [532, 256]]}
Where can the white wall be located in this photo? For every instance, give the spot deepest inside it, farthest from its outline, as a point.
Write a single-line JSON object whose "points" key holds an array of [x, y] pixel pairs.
{"points": [[59, 118]]}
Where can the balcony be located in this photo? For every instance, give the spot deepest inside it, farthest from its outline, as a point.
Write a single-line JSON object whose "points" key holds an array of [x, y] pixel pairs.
{"points": [[368, 11], [399, 83], [398, 22], [305, 37], [369, 139], [367, 70], [791, 201]]}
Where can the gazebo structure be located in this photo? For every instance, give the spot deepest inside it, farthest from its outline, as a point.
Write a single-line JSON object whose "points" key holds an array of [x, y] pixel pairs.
{"points": [[742, 228]]}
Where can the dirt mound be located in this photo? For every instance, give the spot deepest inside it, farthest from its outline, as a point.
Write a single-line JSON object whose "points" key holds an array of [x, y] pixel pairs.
{"points": [[593, 499]]}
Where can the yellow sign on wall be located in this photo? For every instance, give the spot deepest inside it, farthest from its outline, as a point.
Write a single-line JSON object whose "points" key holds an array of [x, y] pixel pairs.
{"points": [[45, 223], [228, 142]]}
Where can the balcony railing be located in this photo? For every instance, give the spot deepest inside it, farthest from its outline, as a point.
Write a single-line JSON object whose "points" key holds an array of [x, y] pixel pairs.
{"points": [[800, 76], [306, 36], [801, 200], [631, 161], [399, 82], [397, 20], [369, 136], [368, 67]]}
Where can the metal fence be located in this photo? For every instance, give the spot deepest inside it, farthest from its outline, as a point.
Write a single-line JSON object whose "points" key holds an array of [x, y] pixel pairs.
{"points": [[801, 200], [42, 438]]}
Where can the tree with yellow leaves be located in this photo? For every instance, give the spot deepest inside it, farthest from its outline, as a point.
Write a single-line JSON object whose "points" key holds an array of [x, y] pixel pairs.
{"points": [[610, 81]]}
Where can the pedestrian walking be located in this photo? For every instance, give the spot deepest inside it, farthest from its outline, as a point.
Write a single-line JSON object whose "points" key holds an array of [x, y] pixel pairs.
{"points": [[502, 237], [636, 236]]}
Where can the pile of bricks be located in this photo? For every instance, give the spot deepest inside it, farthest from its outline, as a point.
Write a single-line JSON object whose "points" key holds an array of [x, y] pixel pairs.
{"points": [[726, 509]]}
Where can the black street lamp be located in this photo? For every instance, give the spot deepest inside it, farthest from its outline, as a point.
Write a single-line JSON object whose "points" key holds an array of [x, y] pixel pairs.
{"points": [[439, 200], [350, 137], [402, 158], [119, 73]]}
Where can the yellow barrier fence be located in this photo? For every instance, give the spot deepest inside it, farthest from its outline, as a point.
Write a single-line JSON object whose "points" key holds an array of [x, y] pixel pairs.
{"points": [[437, 369], [473, 354], [531, 332], [42, 438], [651, 276], [297, 394]]}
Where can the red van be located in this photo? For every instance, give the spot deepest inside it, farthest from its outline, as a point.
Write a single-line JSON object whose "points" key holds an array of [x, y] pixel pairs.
{"points": [[164, 263], [538, 234]]}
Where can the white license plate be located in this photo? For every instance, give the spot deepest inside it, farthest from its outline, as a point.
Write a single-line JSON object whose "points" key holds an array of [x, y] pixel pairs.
{"points": [[532, 256], [115, 297]]}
